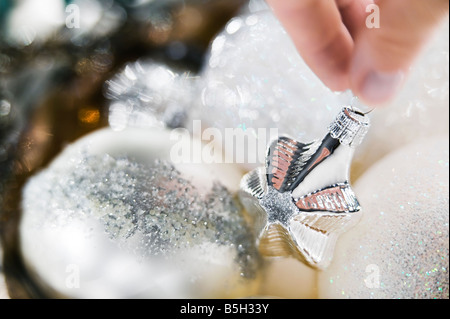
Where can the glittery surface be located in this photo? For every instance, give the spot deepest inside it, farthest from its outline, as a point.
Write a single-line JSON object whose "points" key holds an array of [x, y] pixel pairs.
{"points": [[146, 93], [248, 83], [153, 203], [279, 206], [400, 248], [148, 210]]}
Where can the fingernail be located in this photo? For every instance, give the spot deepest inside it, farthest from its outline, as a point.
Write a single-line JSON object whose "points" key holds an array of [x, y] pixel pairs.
{"points": [[378, 87]]}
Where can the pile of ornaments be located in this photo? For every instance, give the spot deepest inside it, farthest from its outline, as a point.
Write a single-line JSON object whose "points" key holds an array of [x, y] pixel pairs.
{"points": [[127, 212]]}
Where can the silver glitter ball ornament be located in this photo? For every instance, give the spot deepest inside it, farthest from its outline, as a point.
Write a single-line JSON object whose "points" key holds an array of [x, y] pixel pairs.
{"points": [[114, 217], [400, 247]]}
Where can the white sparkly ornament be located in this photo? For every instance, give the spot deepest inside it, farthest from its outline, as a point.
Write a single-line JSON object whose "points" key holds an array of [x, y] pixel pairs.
{"points": [[147, 94], [254, 78], [32, 21], [114, 217], [400, 248]]}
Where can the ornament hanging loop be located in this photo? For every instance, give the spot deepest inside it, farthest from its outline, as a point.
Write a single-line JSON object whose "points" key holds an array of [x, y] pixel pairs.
{"points": [[355, 100]]}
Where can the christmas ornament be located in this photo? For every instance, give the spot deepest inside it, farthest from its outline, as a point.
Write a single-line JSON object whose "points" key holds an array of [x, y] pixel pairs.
{"points": [[32, 22], [115, 216], [146, 94], [301, 201], [247, 84], [400, 247]]}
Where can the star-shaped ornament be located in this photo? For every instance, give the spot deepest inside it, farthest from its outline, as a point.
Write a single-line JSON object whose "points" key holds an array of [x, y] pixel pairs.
{"points": [[301, 201]]}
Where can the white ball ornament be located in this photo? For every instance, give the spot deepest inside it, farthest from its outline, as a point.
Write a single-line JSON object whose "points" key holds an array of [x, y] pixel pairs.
{"points": [[146, 93], [114, 216], [400, 248], [31, 22]]}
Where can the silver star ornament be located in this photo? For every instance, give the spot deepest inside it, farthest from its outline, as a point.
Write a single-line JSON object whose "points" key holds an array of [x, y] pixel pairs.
{"points": [[301, 201]]}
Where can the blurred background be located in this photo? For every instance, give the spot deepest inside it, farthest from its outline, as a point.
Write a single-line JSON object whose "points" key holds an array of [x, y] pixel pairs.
{"points": [[55, 57]]}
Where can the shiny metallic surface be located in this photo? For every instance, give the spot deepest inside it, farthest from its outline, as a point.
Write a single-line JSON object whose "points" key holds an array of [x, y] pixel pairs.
{"points": [[302, 201]]}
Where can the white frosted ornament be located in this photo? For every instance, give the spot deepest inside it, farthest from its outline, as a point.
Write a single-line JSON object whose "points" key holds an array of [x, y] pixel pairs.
{"points": [[31, 21], [400, 248], [114, 217], [146, 93], [254, 78]]}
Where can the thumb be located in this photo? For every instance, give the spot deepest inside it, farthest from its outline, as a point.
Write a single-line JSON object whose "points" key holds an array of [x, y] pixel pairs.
{"points": [[384, 53]]}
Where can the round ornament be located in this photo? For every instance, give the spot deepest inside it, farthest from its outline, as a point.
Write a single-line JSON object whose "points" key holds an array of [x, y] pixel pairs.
{"points": [[400, 248], [118, 215], [32, 22], [146, 93], [420, 109]]}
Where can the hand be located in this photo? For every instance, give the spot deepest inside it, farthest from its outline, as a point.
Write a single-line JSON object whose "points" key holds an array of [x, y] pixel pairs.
{"points": [[334, 40]]}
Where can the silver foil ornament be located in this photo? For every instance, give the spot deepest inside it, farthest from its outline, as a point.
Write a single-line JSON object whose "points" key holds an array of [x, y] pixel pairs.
{"points": [[301, 201]]}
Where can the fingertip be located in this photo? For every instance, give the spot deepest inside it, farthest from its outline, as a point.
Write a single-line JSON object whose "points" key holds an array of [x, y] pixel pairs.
{"points": [[378, 88], [373, 80], [383, 55]]}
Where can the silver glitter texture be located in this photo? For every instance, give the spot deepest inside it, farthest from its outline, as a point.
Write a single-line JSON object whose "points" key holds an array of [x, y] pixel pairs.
{"points": [[146, 93], [400, 248], [147, 210]]}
